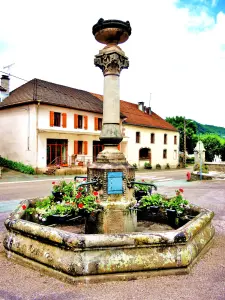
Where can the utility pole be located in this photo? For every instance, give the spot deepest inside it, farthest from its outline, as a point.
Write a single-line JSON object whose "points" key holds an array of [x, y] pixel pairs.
{"points": [[184, 158]]}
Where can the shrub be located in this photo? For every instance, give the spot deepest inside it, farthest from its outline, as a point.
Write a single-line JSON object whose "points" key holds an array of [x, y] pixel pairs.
{"points": [[167, 166], [17, 166], [158, 166], [190, 160], [135, 166], [205, 168], [147, 165]]}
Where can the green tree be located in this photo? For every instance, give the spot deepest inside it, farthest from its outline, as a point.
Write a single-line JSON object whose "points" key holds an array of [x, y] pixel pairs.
{"points": [[214, 145], [180, 123]]}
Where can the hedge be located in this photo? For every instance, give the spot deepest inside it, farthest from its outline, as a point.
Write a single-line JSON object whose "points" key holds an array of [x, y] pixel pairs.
{"points": [[18, 166]]}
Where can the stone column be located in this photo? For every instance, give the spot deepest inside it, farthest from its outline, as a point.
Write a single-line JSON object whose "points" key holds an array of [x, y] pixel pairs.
{"points": [[111, 61]]}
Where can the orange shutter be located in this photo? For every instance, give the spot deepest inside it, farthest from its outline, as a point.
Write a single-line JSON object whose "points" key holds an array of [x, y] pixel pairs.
{"points": [[85, 147], [96, 123], [75, 147], [75, 121], [85, 122], [51, 118], [118, 147], [64, 120]]}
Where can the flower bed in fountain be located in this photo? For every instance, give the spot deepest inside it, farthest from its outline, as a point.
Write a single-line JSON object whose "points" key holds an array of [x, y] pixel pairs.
{"points": [[102, 257]]}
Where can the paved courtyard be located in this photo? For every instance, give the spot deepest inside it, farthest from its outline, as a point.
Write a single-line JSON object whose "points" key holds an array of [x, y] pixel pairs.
{"points": [[206, 280]]}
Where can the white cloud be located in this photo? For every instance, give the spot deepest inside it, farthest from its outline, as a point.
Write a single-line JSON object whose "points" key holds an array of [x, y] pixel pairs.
{"points": [[183, 70]]}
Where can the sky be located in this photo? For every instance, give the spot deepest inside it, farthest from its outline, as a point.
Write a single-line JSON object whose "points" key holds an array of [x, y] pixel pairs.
{"points": [[176, 50]]}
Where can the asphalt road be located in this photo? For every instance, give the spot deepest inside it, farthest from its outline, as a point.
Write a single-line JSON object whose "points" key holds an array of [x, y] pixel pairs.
{"points": [[19, 190]]}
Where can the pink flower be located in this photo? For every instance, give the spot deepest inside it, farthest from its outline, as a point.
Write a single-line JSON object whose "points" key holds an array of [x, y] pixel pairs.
{"points": [[181, 190], [95, 193], [80, 205], [24, 206]]}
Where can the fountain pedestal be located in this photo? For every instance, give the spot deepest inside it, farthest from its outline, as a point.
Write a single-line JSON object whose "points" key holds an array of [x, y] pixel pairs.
{"points": [[111, 167]]}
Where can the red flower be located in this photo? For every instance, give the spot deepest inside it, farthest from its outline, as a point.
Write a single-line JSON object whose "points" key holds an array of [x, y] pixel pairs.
{"points": [[84, 179], [53, 182], [80, 188], [143, 180], [97, 201], [181, 190], [24, 206], [78, 195], [80, 205], [95, 193]]}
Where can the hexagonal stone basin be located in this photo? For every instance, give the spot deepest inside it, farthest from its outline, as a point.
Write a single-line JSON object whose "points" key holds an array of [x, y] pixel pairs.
{"points": [[95, 257]]}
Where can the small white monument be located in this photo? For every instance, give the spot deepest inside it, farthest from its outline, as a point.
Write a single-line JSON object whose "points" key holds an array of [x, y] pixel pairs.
{"points": [[217, 159], [199, 152]]}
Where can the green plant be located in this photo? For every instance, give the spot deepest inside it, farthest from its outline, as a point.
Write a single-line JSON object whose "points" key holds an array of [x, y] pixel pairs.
{"points": [[64, 187], [142, 187], [147, 165], [158, 166], [177, 202], [135, 166], [17, 166], [167, 166], [204, 168], [151, 200]]}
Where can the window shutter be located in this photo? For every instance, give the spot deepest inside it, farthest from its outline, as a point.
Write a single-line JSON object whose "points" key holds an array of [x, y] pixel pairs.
{"points": [[75, 121], [85, 147], [51, 119], [75, 147], [85, 122], [64, 120], [96, 123]]}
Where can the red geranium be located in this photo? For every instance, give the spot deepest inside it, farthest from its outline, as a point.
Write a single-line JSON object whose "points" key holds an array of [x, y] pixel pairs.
{"points": [[97, 201], [53, 182], [24, 206], [95, 193], [143, 180], [181, 190], [78, 195], [84, 179], [80, 205], [80, 188]]}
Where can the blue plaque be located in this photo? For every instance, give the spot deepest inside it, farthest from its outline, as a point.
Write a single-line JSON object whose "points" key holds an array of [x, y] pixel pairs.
{"points": [[115, 182]]}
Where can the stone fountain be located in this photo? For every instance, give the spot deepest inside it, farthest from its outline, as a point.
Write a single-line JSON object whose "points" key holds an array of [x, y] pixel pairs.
{"points": [[112, 249]]}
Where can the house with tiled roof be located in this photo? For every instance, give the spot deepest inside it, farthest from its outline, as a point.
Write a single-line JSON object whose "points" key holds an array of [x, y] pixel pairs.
{"points": [[43, 123]]}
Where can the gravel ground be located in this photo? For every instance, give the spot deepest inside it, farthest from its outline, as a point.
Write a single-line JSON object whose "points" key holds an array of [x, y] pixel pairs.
{"points": [[206, 280]]}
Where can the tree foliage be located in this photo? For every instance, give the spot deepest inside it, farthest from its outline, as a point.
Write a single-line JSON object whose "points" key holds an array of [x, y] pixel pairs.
{"points": [[214, 145], [181, 124]]}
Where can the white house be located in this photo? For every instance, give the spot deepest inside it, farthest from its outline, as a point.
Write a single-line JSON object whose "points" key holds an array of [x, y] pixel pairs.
{"points": [[43, 123]]}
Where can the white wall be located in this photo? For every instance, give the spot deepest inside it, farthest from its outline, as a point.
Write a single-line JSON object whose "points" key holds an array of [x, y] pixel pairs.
{"points": [[15, 128], [156, 148]]}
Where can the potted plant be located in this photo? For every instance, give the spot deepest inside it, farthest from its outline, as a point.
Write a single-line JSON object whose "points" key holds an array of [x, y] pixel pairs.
{"points": [[62, 188], [141, 190]]}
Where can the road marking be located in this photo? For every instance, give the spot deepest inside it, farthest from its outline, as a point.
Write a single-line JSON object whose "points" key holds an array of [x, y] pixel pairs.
{"points": [[166, 179]]}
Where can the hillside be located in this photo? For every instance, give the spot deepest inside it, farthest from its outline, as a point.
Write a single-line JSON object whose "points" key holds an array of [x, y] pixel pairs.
{"points": [[201, 128]]}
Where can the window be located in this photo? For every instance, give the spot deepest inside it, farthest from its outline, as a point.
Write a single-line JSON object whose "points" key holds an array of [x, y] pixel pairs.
{"points": [[98, 123], [175, 140], [175, 154], [165, 139], [58, 119], [144, 153], [138, 135], [152, 138], [80, 147], [164, 153], [80, 121]]}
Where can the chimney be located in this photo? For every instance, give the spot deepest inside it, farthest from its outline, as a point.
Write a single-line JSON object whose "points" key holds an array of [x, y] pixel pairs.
{"points": [[141, 106], [149, 110], [5, 83]]}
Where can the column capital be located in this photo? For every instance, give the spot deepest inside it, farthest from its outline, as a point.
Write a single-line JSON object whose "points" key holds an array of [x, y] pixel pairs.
{"points": [[111, 63]]}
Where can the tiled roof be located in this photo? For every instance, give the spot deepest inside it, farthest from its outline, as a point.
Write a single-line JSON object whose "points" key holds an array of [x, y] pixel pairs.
{"points": [[134, 116], [53, 94]]}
